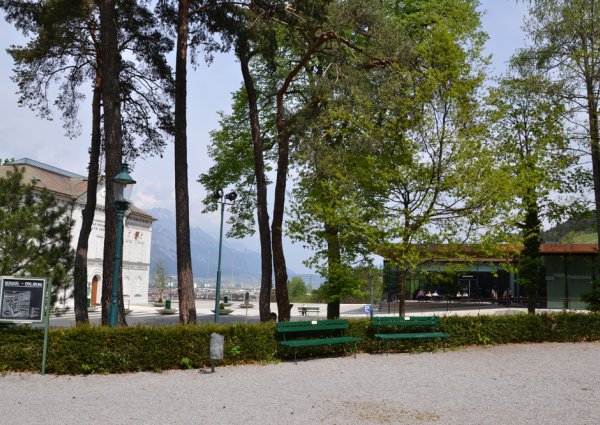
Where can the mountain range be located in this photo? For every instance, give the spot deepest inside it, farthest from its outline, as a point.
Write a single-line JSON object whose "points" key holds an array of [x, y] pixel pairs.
{"points": [[237, 265]]}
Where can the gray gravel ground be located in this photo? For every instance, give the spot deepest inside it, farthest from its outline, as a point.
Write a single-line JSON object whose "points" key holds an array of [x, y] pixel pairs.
{"points": [[510, 384]]}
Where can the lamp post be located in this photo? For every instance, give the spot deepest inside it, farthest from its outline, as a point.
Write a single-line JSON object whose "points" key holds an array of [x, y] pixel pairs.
{"points": [[123, 184], [220, 197]]}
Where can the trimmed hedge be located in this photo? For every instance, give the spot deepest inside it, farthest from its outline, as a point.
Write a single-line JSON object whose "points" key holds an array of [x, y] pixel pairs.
{"points": [[95, 349], [92, 349]]}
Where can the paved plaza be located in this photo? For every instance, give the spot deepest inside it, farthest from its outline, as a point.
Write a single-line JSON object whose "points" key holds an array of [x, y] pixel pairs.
{"points": [[148, 314]]}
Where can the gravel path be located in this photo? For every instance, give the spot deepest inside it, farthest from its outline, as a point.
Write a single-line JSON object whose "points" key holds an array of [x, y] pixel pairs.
{"points": [[518, 384]]}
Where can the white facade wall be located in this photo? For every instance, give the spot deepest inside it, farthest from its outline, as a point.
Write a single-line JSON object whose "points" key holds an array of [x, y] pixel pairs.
{"points": [[137, 238]]}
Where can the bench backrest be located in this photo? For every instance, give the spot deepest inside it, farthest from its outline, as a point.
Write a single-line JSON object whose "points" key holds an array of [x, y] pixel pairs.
{"points": [[311, 326], [405, 321]]}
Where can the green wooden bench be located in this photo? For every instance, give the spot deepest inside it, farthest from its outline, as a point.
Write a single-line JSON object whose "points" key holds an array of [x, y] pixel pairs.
{"points": [[315, 332], [400, 325]]}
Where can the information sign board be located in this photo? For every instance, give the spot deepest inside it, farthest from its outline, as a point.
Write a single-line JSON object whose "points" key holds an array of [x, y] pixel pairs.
{"points": [[22, 299]]}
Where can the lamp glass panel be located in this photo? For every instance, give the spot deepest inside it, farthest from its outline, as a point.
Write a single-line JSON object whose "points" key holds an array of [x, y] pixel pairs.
{"points": [[127, 190], [119, 191]]}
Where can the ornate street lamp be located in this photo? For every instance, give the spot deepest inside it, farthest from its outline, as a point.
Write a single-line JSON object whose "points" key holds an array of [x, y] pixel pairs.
{"points": [[123, 185], [220, 197]]}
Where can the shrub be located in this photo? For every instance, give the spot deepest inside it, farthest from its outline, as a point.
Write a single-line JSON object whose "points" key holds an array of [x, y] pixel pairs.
{"points": [[93, 349]]}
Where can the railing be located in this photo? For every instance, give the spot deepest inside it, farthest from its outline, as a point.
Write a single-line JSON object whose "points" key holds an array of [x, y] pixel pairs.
{"points": [[481, 304]]}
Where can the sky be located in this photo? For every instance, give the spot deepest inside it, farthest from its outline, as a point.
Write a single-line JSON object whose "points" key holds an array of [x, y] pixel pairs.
{"points": [[24, 135]]}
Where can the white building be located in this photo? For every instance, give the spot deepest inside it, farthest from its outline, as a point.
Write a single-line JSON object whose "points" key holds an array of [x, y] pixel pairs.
{"points": [[69, 189]]}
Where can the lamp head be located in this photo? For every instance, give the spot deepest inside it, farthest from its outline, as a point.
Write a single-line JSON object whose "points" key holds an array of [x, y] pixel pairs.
{"points": [[217, 195], [123, 184], [231, 196]]}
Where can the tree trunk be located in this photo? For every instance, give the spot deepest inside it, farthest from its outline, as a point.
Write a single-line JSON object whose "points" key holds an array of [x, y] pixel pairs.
{"points": [[80, 268], [185, 276], [110, 67], [266, 257], [281, 277], [334, 258], [595, 150], [402, 292]]}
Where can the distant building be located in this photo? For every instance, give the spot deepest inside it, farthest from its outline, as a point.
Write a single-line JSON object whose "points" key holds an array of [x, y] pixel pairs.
{"points": [[568, 271], [69, 189]]}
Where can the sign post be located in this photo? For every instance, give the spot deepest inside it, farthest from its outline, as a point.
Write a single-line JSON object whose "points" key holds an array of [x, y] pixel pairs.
{"points": [[46, 325]]}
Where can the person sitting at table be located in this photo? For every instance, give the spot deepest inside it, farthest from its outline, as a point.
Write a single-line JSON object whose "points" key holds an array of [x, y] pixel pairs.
{"points": [[465, 294], [458, 294], [420, 295], [435, 294], [428, 295]]}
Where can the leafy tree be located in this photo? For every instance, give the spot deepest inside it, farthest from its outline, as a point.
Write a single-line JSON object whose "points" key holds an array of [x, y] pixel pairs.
{"points": [[327, 197], [160, 280], [252, 32], [245, 167], [430, 187], [532, 145], [298, 290], [283, 57], [34, 231], [402, 174], [565, 46]]}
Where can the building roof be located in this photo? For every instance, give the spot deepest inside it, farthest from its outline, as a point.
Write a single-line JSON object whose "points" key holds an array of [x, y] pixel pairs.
{"points": [[57, 181], [504, 253], [568, 249], [37, 164]]}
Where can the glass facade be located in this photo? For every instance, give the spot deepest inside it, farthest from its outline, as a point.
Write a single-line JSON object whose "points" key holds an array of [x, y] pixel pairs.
{"points": [[477, 280], [567, 277]]}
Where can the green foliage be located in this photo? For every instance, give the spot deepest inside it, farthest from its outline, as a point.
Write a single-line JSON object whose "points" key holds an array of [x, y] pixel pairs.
{"points": [[185, 363], [564, 35], [387, 165], [64, 49], [234, 166], [160, 280], [88, 349], [35, 232], [533, 152], [580, 228], [235, 351], [297, 290], [592, 298]]}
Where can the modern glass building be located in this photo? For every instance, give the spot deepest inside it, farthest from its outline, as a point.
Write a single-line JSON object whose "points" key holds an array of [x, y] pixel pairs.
{"points": [[568, 272]]}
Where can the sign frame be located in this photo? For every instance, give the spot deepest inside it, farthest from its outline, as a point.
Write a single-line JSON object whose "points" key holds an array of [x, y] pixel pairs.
{"points": [[27, 299]]}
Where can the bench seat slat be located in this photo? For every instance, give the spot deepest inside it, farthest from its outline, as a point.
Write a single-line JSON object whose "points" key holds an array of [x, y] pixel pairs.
{"points": [[319, 341], [394, 321], [421, 335], [312, 328]]}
